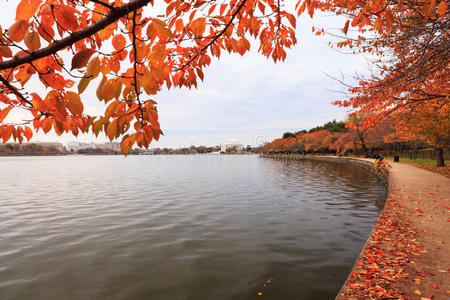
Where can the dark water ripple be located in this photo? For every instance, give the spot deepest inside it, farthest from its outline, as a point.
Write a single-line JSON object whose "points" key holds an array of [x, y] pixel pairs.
{"points": [[180, 227]]}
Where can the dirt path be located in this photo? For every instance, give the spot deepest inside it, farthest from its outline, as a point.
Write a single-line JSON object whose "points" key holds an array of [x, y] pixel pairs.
{"points": [[408, 253]]}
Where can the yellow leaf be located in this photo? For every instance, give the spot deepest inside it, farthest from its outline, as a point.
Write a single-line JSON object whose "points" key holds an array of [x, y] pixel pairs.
{"points": [[82, 85], [97, 126], [93, 68], [417, 292], [159, 28], [81, 58], [100, 88], [75, 105]]}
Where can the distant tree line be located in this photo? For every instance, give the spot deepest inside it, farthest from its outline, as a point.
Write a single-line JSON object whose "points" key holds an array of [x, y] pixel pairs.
{"points": [[26, 149], [353, 137], [332, 126]]}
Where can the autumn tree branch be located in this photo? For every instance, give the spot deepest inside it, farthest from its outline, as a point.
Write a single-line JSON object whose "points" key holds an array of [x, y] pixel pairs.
{"points": [[115, 14], [103, 4], [14, 90], [215, 38]]}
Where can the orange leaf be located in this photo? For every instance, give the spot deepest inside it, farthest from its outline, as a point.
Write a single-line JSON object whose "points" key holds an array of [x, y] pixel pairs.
{"points": [[291, 19], [75, 105], [54, 80], [28, 133], [5, 112], [6, 135], [5, 99], [111, 108], [198, 27], [148, 133], [442, 8], [111, 131], [179, 26], [32, 40], [46, 32], [81, 58], [108, 90], [100, 88], [262, 8], [46, 125], [118, 42], [5, 51], [345, 30], [127, 143], [58, 125], [26, 9], [378, 24], [17, 30], [65, 15]]}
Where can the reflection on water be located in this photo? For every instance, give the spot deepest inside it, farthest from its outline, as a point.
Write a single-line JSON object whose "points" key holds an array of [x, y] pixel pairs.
{"points": [[181, 227]]}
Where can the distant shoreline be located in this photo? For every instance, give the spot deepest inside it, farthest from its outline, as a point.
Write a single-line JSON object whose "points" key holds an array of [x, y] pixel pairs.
{"points": [[112, 154], [33, 154]]}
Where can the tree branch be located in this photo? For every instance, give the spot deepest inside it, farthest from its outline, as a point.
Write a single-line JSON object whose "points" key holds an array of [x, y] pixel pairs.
{"points": [[14, 90], [214, 39], [103, 4], [114, 15]]}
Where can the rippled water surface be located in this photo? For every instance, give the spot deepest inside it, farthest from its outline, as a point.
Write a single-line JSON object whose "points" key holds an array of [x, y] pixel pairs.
{"points": [[181, 227]]}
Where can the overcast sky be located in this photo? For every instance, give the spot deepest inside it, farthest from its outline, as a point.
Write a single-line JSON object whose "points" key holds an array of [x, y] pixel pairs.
{"points": [[247, 98]]}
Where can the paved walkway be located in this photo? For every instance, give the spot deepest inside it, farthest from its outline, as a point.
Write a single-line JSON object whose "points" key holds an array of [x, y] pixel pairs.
{"points": [[407, 255]]}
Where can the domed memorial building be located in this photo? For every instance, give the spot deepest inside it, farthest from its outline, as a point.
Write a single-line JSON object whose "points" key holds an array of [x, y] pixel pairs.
{"points": [[232, 145]]}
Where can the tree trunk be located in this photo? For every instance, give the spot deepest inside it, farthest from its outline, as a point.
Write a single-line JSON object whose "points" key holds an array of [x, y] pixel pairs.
{"points": [[365, 150], [439, 157]]}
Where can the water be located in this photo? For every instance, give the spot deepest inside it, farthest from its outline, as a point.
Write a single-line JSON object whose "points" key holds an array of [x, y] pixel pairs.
{"points": [[181, 227]]}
